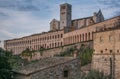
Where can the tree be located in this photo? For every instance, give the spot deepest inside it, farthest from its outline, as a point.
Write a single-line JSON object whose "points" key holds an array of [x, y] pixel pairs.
{"points": [[67, 52], [27, 53], [5, 68], [41, 50], [85, 54]]}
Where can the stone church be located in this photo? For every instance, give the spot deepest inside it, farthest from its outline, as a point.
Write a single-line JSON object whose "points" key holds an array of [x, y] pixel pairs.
{"points": [[59, 32], [104, 34]]}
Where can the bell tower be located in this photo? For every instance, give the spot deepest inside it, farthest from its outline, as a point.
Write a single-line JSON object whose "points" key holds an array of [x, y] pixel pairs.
{"points": [[65, 15]]}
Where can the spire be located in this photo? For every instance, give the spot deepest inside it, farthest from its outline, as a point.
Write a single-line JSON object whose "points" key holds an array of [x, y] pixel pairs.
{"points": [[99, 11]]}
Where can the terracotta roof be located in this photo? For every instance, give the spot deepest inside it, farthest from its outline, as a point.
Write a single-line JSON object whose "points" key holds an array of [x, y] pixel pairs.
{"points": [[42, 64], [82, 18]]}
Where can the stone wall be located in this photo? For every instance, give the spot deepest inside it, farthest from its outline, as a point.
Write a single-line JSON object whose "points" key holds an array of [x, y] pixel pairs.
{"points": [[55, 51], [35, 42], [54, 25], [86, 33], [102, 63], [107, 49], [56, 72]]}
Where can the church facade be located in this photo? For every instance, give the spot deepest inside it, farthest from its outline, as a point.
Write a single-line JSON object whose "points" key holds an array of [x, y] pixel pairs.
{"points": [[63, 32]]}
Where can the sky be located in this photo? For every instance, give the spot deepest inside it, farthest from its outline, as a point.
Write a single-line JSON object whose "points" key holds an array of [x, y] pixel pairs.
{"points": [[20, 18]]}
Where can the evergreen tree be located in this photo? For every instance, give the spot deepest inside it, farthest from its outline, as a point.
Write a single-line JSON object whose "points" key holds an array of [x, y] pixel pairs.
{"points": [[5, 68]]}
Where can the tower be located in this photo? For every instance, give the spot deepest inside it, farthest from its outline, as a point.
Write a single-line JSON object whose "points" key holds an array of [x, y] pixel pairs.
{"points": [[65, 15]]}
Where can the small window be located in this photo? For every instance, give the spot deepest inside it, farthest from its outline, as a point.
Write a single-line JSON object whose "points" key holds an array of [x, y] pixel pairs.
{"points": [[117, 51], [101, 39], [110, 38], [61, 35], [66, 73], [105, 59], [110, 51], [101, 51], [63, 7], [105, 49]]}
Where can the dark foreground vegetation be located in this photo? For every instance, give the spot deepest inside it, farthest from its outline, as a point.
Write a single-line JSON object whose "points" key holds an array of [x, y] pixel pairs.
{"points": [[8, 62], [84, 53]]}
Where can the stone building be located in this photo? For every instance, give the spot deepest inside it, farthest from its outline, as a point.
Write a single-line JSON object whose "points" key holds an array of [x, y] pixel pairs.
{"points": [[66, 21], [84, 34], [54, 25], [65, 15], [50, 68], [46, 40], [63, 32], [106, 56]]}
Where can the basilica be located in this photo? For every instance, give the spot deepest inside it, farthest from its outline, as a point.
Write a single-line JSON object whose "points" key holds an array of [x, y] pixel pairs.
{"points": [[61, 32], [103, 36]]}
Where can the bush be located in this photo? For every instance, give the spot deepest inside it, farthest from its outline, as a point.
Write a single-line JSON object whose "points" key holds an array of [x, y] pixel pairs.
{"points": [[85, 54], [5, 67], [95, 75]]}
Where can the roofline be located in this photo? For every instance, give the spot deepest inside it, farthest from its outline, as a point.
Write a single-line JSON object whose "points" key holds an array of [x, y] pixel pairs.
{"points": [[96, 23], [34, 35], [82, 18], [111, 29], [65, 3]]}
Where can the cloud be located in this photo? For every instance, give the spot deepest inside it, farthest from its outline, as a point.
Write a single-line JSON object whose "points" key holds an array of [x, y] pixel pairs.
{"points": [[113, 4], [21, 23], [19, 18], [23, 5], [2, 14]]}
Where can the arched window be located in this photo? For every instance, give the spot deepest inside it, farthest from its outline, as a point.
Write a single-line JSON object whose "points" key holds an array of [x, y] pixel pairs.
{"points": [[75, 39], [85, 36], [61, 43], [89, 36], [55, 44], [80, 37], [55, 36], [58, 43], [52, 44], [61, 35], [58, 36]]}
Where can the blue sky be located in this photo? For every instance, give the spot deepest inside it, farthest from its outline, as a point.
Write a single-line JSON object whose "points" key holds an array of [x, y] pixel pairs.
{"points": [[19, 18]]}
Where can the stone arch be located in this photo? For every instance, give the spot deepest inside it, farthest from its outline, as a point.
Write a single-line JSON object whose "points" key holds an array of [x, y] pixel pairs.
{"points": [[72, 39], [86, 36], [78, 38], [75, 38], [89, 36], [82, 37], [61, 43], [55, 45], [50, 46]]}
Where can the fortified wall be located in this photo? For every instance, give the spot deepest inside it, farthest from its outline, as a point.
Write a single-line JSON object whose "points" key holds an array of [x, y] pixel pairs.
{"points": [[58, 50], [106, 56]]}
